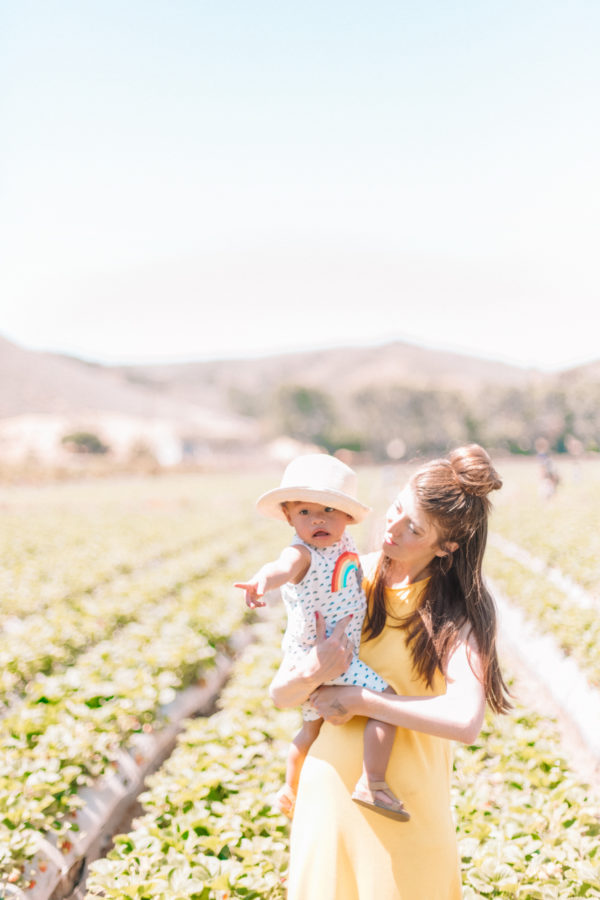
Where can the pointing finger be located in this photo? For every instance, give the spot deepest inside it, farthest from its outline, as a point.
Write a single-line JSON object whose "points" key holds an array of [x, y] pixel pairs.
{"points": [[244, 585]]}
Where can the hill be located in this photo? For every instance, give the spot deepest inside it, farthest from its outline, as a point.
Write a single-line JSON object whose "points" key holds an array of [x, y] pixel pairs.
{"points": [[364, 398], [339, 370], [34, 382], [37, 382], [45, 396], [588, 373]]}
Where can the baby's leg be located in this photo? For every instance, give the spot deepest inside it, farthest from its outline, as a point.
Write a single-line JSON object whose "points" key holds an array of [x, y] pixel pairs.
{"points": [[372, 790], [299, 749], [378, 742], [296, 755]]}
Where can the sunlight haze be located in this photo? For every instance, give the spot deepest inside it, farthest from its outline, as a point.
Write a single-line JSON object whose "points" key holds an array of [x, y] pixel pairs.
{"points": [[193, 180]]}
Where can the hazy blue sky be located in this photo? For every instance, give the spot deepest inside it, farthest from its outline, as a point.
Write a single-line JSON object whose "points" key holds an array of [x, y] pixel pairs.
{"points": [[192, 179]]}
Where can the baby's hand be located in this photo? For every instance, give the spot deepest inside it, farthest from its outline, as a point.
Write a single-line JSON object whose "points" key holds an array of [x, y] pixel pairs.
{"points": [[253, 590]]}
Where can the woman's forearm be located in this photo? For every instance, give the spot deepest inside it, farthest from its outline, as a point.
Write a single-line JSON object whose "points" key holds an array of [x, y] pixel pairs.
{"points": [[291, 687], [456, 715], [450, 715]]}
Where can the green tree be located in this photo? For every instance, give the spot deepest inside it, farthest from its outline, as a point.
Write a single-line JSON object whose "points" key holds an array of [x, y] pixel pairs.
{"points": [[84, 442], [425, 420], [303, 413]]}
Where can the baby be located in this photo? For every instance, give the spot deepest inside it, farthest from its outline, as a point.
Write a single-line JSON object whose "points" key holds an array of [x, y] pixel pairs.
{"points": [[320, 574]]}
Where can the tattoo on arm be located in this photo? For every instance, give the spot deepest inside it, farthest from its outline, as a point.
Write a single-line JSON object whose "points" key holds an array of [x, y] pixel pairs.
{"points": [[339, 707]]}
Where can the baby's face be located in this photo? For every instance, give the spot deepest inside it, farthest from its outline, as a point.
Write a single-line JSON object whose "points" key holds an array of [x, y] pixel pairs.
{"points": [[318, 525]]}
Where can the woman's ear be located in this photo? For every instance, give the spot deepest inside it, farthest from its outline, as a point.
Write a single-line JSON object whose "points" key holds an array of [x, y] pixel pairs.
{"points": [[447, 549]]}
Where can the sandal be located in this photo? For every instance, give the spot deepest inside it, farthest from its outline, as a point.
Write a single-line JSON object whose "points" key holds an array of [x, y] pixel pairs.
{"points": [[365, 796], [285, 801]]}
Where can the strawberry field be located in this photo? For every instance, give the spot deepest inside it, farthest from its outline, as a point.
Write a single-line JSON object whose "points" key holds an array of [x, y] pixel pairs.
{"points": [[117, 597]]}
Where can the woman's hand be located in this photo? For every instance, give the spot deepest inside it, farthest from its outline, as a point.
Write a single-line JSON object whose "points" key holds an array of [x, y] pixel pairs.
{"points": [[328, 659], [336, 704], [333, 654]]}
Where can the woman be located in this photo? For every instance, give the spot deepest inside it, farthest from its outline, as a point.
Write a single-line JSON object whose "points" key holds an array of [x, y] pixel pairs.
{"points": [[430, 632]]}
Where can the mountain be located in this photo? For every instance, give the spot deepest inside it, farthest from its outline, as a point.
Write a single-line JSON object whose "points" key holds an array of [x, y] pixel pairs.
{"points": [[435, 398], [38, 382], [588, 372], [33, 382], [339, 370]]}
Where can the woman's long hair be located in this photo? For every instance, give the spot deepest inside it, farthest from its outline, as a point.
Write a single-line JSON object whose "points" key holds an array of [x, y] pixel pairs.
{"points": [[452, 493]]}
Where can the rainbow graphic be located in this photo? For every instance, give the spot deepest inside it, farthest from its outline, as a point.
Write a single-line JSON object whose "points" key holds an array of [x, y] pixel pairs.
{"points": [[345, 564]]}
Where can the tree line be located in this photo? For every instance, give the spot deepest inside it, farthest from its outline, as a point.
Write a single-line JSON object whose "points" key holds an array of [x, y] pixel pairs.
{"points": [[398, 420]]}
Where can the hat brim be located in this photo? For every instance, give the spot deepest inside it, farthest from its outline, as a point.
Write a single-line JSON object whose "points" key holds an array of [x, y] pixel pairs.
{"points": [[269, 504]]}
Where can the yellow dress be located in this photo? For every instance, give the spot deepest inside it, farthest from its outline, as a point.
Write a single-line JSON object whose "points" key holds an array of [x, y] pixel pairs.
{"points": [[342, 851]]}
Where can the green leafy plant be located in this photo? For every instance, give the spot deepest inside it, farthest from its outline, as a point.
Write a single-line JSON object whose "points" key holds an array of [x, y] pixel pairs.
{"points": [[118, 595], [84, 442]]}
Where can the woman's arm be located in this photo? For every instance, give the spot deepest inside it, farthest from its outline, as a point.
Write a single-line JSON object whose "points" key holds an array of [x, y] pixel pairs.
{"points": [[456, 715], [329, 657]]}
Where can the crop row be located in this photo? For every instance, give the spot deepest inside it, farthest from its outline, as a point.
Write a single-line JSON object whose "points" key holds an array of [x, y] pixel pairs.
{"points": [[210, 830], [70, 725], [66, 570], [69, 539], [538, 566], [53, 637], [132, 612], [576, 629], [562, 531], [527, 828]]}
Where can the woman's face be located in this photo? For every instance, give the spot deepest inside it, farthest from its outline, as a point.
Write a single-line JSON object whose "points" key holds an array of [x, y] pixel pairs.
{"points": [[410, 535]]}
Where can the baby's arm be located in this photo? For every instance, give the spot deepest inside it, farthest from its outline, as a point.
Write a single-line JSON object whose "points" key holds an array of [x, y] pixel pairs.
{"points": [[292, 565]]}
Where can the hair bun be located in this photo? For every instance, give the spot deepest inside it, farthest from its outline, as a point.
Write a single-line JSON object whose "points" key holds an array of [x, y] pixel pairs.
{"points": [[474, 470]]}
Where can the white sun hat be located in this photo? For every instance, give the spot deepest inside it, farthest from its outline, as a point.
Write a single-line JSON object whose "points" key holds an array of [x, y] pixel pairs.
{"points": [[315, 478]]}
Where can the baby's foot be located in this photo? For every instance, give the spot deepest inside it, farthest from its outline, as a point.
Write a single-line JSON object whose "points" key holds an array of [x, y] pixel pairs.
{"points": [[285, 801], [378, 796]]}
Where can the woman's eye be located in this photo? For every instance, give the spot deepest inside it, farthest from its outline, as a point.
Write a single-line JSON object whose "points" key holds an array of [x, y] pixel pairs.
{"points": [[329, 509], [303, 512]]}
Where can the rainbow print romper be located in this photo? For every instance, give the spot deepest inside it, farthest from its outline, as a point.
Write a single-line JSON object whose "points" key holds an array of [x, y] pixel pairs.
{"points": [[333, 587]]}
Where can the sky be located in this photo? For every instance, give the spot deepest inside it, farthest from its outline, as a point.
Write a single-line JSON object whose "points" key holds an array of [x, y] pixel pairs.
{"points": [[193, 179]]}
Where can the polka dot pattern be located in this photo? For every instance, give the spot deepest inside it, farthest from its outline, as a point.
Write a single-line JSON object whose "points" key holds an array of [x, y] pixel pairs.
{"points": [[314, 594]]}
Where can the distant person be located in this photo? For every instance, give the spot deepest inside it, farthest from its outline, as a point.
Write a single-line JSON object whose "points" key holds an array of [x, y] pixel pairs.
{"points": [[549, 477], [321, 585], [430, 631], [575, 449]]}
